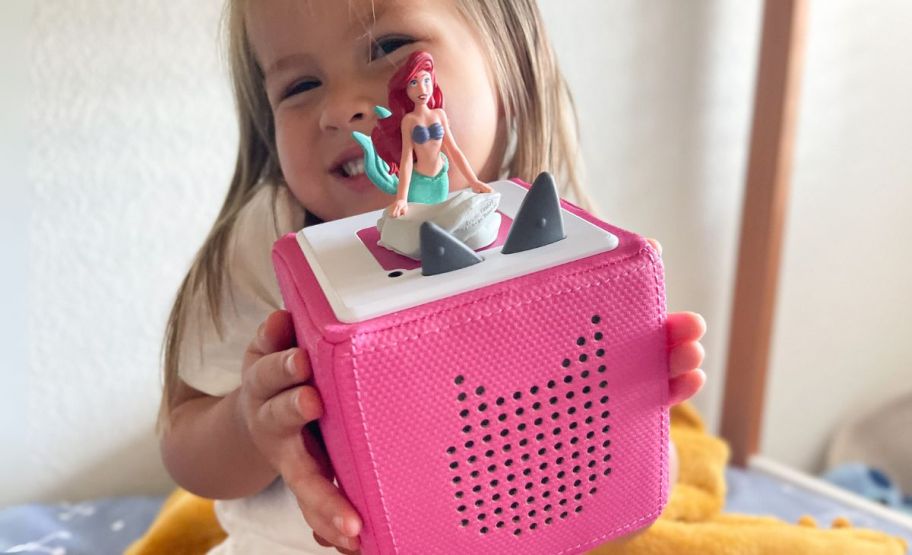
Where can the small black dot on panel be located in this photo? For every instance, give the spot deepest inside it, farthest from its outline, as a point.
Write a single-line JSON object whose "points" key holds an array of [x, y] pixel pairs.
{"points": [[606, 458], [456, 479], [485, 423], [592, 477], [574, 440], [520, 411], [507, 447], [546, 494], [563, 514], [532, 513], [481, 516], [482, 407], [606, 443], [603, 384], [575, 455], [500, 524], [578, 496], [593, 491], [494, 483], [596, 319], [504, 432], [464, 413], [545, 480], [521, 426], [578, 509], [568, 379], [539, 436], [513, 505], [523, 442], [581, 341], [454, 464], [479, 502], [461, 508], [451, 450], [590, 464], [484, 530], [464, 522], [537, 421], [587, 389], [489, 453], [583, 357], [590, 434], [602, 369], [530, 499], [459, 495], [584, 374], [600, 353], [560, 475], [558, 445], [533, 526], [528, 485], [533, 390], [536, 405], [571, 410], [466, 429], [603, 400], [517, 395], [511, 477], [565, 363], [549, 520], [562, 502], [605, 414], [569, 395], [486, 438], [479, 390], [525, 456], [542, 451], [589, 420], [607, 471], [500, 401], [517, 532], [527, 471], [472, 458], [553, 400], [475, 474], [462, 396], [577, 483], [605, 428], [512, 491], [498, 510], [502, 417], [573, 425], [587, 405], [459, 380]]}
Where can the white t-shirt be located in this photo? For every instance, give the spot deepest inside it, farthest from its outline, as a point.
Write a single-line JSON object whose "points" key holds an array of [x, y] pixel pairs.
{"points": [[270, 521]]}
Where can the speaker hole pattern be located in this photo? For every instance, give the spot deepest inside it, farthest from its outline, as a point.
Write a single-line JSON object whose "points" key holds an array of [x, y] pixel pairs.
{"points": [[529, 458]]}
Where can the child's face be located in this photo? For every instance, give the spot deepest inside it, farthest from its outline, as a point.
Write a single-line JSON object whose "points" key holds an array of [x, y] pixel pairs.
{"points": [[327, 64]]}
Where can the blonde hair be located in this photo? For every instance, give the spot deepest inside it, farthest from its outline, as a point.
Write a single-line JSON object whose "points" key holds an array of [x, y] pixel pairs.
{"points": [[537, 105]]}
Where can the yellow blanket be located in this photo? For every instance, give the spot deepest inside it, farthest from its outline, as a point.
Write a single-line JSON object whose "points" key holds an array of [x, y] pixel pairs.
{"points": [[692, 523]]}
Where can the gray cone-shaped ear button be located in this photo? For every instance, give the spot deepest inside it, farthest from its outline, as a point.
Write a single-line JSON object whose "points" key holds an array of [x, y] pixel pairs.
{"points": [[441, 252], [538, 221]]}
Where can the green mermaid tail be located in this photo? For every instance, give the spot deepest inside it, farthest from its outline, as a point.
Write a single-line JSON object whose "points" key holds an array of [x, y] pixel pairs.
{"points": [[376, 168]]}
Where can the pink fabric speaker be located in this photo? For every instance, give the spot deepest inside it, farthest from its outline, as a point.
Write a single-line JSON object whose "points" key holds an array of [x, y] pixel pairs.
{"points": [[515, 406]]}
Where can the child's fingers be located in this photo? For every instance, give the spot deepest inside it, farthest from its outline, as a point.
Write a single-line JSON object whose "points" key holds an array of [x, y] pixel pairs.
{"points": [[685, 386], [276, 333], [684, 326], [684, 357], [327, 511], [325, 543], [276, 372], [656, 245], [292, 409]]}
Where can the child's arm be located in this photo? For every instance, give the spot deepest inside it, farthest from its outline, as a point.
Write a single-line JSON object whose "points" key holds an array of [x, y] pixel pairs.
{"points": [[234, 446]]}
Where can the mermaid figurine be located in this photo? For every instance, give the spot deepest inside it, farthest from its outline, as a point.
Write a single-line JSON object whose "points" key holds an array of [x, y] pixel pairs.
{"points": [[415, 131]]}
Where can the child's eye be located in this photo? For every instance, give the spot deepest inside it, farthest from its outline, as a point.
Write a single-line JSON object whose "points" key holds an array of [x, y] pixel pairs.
{"points": [[299, 87], [389, 44]]}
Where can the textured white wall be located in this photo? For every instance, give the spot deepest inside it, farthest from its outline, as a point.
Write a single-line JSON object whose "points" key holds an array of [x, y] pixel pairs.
{"points": [[131, 136], [131, 142]]}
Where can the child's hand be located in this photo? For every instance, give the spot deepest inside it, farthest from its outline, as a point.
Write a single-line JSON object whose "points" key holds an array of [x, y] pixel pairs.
{"points": [[276, 403], [685, 353]]}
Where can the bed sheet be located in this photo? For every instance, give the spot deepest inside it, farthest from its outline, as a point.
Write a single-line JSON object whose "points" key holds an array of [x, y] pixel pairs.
{"points": [[107, 526]]}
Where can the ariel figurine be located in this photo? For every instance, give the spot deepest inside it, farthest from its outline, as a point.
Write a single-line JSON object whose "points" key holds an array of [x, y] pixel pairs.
{"points": [[415, 132]]}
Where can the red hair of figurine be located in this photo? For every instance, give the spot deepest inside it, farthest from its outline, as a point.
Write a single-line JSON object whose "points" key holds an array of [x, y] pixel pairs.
{"points": [[387, 135]]}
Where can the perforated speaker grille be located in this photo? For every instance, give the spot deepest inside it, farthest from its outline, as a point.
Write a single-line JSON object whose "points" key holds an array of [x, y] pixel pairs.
{"points": [[525, 459]]}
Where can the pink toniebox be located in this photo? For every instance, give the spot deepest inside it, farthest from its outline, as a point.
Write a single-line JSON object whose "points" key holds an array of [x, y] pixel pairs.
{"points": [[518, 405]]}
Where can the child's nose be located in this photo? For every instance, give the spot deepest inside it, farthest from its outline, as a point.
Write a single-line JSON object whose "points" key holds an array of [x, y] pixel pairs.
{"points": [[350, 115]]}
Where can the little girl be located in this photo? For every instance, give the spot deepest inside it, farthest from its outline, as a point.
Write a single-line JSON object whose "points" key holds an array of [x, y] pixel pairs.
{"points": [[238, 409]]}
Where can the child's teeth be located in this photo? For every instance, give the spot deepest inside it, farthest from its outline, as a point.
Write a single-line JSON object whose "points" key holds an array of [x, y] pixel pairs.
{"points": [[353, 168]]}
